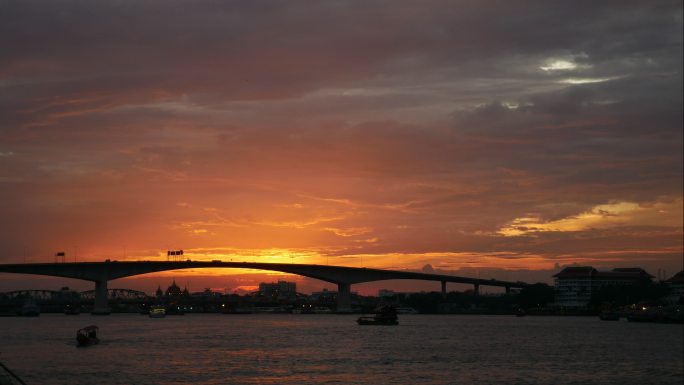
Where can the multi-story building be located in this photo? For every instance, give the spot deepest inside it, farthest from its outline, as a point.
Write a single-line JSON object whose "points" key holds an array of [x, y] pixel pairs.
{"points": [[325, 295], [676, 286], [575, 285], [280, 289]]}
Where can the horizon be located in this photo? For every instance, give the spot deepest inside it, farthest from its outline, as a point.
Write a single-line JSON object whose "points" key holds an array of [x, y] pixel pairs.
{"points": [[247, 280]]}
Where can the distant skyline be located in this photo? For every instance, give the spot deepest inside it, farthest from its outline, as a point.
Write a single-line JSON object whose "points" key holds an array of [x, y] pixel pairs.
{"points": [[506, 139]]}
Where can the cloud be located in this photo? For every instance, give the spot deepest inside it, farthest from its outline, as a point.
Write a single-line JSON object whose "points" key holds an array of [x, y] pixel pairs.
{"points": [[603, 216], [409, 133]]}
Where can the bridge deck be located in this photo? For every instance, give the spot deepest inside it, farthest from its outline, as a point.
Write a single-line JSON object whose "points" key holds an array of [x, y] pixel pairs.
{"points": [[97, 271]]}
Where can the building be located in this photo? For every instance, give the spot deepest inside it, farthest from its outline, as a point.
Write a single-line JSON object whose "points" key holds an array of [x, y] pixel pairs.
{"points": [[387, 293], [575, 285], [325, 295], [173, 290], [280, 289], [206, 294], [676, 286]]}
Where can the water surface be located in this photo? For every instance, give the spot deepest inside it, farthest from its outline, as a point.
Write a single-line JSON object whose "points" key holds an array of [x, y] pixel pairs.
{"points": [[332, 349]]}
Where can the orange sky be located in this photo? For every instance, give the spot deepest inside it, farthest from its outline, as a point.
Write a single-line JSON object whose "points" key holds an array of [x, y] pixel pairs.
{"points": [[390, 135]]}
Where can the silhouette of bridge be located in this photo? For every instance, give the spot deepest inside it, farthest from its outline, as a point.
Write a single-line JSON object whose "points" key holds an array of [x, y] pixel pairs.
{"points": [[344, 277], [51, 295]]}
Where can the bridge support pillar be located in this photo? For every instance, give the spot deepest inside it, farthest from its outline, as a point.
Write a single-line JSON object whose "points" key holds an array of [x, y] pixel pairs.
{"points": [[476, 289], [344, 298], [101, 306], [444, 292]]}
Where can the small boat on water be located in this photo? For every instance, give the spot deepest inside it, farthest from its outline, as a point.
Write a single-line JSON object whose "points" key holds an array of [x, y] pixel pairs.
{"points": [[70, 309], [520, 312], [157, 312], [406, 310], [384, 315], [660, 314], [87, 336], [174, 310]]}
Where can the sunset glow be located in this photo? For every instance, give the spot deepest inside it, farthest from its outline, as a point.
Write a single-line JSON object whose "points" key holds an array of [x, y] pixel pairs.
{"points": [[394, 135]]}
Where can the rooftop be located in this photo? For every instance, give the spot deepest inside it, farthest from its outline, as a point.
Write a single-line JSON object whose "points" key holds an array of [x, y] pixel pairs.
{"points": [[590, 272], [677, 278]]}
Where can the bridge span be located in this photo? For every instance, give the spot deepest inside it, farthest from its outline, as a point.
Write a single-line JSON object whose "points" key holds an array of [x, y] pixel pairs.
{"points": [[344, 277]]}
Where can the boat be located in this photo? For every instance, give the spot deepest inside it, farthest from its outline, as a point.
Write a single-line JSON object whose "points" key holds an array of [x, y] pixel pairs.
{"points": [[157, 312], [384, 315], [669, 314], [269, 309], [238, 310], [520, 312], [72, 310], [304, 309], [174, 310], [87, 336]]}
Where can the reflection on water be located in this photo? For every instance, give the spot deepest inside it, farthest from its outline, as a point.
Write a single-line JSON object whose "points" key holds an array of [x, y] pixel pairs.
{"points": [[333, 349]]}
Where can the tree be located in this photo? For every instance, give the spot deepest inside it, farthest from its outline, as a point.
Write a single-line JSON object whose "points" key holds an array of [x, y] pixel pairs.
{"points": [[643, 290], [537, 295]]}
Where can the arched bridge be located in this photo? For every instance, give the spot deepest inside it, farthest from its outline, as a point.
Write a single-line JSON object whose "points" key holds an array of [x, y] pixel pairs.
{"points": [[344, 277], [51, 295], [40, 295], [121, 294]]}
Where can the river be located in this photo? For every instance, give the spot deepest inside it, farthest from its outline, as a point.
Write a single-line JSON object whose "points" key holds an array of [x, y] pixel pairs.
{"points": [[332, 349]]}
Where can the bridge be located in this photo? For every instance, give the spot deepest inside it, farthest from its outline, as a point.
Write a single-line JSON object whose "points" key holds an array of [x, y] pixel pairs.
{"points": [[342, 276], [67, 295]]}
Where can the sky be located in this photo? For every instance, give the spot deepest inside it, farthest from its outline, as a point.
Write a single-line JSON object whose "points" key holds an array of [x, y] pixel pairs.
{"points": [[478, 138]]}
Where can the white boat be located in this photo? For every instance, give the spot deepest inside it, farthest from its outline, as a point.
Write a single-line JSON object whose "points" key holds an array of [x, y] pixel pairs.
{"points": [[157, 312]]}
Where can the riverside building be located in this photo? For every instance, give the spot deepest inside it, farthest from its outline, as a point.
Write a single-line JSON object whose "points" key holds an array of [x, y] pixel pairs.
{"points": [[574, 285], [676, 285], [278, 290]]}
